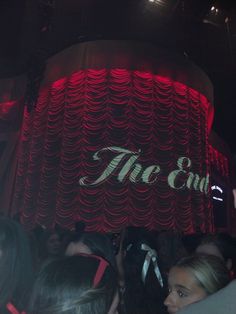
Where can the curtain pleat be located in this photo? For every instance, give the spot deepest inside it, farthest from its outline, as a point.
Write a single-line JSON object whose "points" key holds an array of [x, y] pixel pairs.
{"points": [[156, 118]]}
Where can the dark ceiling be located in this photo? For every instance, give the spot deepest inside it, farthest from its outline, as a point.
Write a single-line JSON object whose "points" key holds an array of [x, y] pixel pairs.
{"points": [[33, 27]]}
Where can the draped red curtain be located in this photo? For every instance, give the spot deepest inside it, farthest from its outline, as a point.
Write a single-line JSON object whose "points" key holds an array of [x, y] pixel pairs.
{"points": [[11, 112], [143, 115], [219, 161], [10, 117]]}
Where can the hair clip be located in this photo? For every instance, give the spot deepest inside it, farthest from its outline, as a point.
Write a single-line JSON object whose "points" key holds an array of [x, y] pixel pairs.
{"points": [[100, 270], [12, 309]]}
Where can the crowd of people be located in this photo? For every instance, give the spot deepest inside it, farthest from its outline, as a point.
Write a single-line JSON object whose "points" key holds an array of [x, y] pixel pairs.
{"points": [[133, 272]]}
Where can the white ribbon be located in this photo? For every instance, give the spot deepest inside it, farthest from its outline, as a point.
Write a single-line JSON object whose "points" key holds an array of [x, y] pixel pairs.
{"points": [[151, 256]]}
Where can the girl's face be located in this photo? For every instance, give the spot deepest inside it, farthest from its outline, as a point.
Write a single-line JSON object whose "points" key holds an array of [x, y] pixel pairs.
{"points": [[75, 248], [209, 249], [54, 244], [183, 290]]}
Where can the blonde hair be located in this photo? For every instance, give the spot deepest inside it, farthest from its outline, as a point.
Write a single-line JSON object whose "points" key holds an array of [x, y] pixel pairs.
{"points": [[209, 271]]}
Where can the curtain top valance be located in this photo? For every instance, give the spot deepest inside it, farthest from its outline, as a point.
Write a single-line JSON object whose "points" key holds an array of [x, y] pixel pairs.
{"points": [[131, 55]]}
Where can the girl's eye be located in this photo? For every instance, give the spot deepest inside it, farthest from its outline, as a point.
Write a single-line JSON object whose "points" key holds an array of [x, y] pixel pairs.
{"points": [[181, 294], [169, 290]]}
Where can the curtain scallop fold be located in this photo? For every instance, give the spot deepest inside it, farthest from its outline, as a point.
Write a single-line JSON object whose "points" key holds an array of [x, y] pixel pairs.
{"points": [[155, 117]]}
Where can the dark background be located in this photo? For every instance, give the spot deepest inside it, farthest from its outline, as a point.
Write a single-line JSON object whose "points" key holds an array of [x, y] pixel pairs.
{"points": [[35, 29]]}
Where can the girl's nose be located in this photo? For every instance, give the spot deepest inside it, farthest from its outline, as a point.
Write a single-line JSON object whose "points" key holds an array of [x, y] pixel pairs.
{"points": [[169, 300]]}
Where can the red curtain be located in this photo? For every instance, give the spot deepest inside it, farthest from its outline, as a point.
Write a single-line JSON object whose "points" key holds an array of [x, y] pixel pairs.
{"points": [[219, 161], [10, 120], [156, 119]]}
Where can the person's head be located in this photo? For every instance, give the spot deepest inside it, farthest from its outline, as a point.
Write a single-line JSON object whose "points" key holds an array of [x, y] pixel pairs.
{"points": [[92, 243], [49, 244], [193, 278], [15, 264], [82, 284], [217, 245], [144, 292], [53, 244]]}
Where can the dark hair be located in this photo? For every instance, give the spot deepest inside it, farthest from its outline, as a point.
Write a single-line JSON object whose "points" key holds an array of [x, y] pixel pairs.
{"points": [[67, 286], [15, 265], [209, 271], [222, 242], [44, 239], [141, 296], [99, 244]]}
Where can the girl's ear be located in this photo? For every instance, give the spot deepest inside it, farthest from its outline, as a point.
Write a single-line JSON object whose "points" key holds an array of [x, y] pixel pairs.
{"points": [[229, 264]]}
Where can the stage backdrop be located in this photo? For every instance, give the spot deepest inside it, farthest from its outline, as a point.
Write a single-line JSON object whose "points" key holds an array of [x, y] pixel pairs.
{"points": [[223, 183], [119, 136], [11, 112]]}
